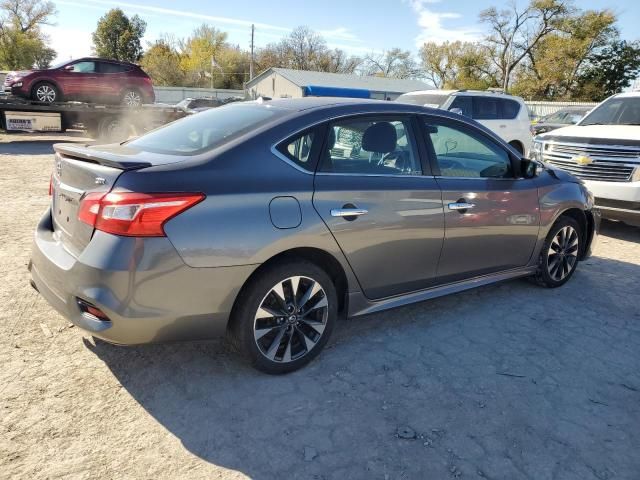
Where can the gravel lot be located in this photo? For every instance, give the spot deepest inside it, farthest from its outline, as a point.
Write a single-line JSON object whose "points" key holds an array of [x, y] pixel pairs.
{"points": [[504, 382]]}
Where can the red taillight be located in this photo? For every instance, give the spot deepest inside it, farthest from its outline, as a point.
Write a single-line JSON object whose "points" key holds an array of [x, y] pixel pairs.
{"points": [[51, 185], [134, 214]]}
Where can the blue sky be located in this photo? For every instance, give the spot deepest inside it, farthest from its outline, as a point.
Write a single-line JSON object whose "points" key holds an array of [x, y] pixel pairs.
{"points": [[358, 26]]}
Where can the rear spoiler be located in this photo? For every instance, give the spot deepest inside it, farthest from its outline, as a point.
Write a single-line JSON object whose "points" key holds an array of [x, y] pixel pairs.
{"points": [[83, 153]]}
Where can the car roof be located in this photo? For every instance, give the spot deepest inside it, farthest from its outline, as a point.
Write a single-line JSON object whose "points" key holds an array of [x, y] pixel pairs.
{"points": [[357, 104], [634, 94], [475, 93], [96, 59]]}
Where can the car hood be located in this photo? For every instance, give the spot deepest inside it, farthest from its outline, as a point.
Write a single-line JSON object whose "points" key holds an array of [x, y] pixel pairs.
{"points": [[596, 134]]}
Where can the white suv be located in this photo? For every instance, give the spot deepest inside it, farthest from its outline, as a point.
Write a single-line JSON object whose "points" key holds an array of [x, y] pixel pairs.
{"points": [[505, 115], [603, 149]]}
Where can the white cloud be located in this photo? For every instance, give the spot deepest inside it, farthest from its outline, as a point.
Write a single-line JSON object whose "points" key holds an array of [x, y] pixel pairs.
{"points": [[188, 14], [432, 25], [340, 33]]}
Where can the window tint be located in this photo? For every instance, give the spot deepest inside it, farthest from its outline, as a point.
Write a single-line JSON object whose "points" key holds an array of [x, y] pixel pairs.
{"points": [[298, 149], [463, 153], [84, 67], [207, 130], [464, 103], [105, 67], [494, 108], [380, 146], [509, 108]]}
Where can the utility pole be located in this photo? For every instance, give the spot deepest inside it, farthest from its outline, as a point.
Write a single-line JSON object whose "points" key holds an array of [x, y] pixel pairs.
{"points": [[251, 62]]}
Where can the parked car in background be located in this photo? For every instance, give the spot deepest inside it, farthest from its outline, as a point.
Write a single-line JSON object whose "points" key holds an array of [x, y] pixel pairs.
{"points": [[195, 105], [561, 118], [506, 115], [93, 80], [603, 149], [242, 219]]}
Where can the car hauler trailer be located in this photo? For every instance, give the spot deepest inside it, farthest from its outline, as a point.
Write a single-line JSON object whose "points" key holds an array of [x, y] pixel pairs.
{"points": [[101, 122]]}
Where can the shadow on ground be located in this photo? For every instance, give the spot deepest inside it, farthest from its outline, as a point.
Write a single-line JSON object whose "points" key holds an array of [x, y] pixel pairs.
{"points": [[506, 381]]}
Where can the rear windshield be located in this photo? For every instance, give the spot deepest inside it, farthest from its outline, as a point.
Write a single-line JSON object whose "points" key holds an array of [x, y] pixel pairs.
{"points": [[206, 130], [430, 100]]}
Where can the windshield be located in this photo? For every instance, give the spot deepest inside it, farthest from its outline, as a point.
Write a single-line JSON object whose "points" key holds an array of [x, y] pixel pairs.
{"points": [[206, 130], [434, 100], [59, 65], [615, 111]]}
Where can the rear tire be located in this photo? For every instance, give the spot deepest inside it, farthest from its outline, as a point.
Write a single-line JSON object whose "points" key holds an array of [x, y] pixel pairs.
{"points": [[560, 253], [45, 92], [284, 316], [132, 98]]}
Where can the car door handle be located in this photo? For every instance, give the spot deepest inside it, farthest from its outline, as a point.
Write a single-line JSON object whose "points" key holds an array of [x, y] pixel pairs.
{"points": [[460, 206], [348, 212], [503, 126]]}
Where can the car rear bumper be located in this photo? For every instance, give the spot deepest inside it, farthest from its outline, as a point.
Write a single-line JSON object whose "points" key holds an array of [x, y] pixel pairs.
{"points": [[142, 285]]}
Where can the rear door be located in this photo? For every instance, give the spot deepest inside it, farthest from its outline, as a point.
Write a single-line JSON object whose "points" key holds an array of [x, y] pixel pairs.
{"points": [[386, 215], [111, 80], [491, 215]]}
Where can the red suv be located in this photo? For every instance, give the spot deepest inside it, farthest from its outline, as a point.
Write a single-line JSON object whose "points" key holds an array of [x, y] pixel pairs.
{"points": [[87, 80]]}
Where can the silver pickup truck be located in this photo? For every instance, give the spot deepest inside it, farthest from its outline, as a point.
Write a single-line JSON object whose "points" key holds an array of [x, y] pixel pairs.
{"points": [[603, 149]]}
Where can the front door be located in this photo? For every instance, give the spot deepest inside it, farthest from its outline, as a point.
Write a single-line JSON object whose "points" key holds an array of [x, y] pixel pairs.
{"points": [[386, 216], [80, 81], [491, 215]]}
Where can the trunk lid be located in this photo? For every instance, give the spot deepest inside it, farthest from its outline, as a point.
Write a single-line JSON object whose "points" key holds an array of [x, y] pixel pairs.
{"points": [[79, 170]]}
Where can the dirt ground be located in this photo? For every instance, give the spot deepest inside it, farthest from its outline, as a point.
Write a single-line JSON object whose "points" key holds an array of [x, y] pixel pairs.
{"points": [[504, 382]]}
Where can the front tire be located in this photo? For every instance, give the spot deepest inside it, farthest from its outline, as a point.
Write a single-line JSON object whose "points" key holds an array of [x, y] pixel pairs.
{"points": [[284, 317], [560, 253], [45, 92]]}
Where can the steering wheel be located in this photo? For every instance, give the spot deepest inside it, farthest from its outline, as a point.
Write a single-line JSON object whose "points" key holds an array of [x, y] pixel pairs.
{"points": [[395, 155]]}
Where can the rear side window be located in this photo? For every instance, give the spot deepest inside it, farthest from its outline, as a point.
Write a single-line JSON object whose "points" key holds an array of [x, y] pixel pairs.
{"points": [[494, 108], [299, 149], [371, 146], [105, 67], [509, 108], [207, 130]]}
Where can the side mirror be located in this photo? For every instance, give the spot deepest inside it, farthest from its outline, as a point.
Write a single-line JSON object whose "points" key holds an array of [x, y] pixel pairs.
{"points": [[530, 168], [456, 110], [68, 68]]}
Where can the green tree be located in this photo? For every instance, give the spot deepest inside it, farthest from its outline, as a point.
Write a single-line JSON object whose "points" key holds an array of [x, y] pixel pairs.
{"points": [[456, 65], [554, 66], [162, 63], [118, 36], [22, 43], [610, 70]]}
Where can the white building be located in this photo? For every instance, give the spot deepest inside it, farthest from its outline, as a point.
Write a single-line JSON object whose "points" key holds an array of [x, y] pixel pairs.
{"points": [[288, 83]]}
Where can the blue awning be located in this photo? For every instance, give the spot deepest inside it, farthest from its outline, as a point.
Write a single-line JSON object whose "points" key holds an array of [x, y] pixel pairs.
{"points": [[318, 91]]}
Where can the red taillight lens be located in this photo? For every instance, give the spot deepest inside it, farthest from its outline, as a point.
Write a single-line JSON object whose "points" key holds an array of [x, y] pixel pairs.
{"points": [[134, 214], [51, 185]]}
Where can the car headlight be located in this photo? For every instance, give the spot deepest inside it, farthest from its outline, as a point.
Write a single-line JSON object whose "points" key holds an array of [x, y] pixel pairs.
{"points": [[636, 175], [16, 84], [536, 150]]}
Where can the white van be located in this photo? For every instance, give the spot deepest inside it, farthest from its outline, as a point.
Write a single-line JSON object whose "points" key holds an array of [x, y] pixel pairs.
{"points": [[506, 115]]}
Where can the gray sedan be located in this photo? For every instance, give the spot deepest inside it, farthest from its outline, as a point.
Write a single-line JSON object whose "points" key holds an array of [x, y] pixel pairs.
{"points": [[264, 220]]}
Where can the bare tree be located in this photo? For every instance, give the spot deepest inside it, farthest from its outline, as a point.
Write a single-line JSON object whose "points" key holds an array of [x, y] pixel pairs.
{"points": [[27, 15], [395, 63], [515, 32]]}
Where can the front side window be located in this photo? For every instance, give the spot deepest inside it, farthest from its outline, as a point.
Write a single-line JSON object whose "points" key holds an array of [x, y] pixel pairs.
{"points": [[464, 103], [371, 146], [462, 153], [84, 67]]}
